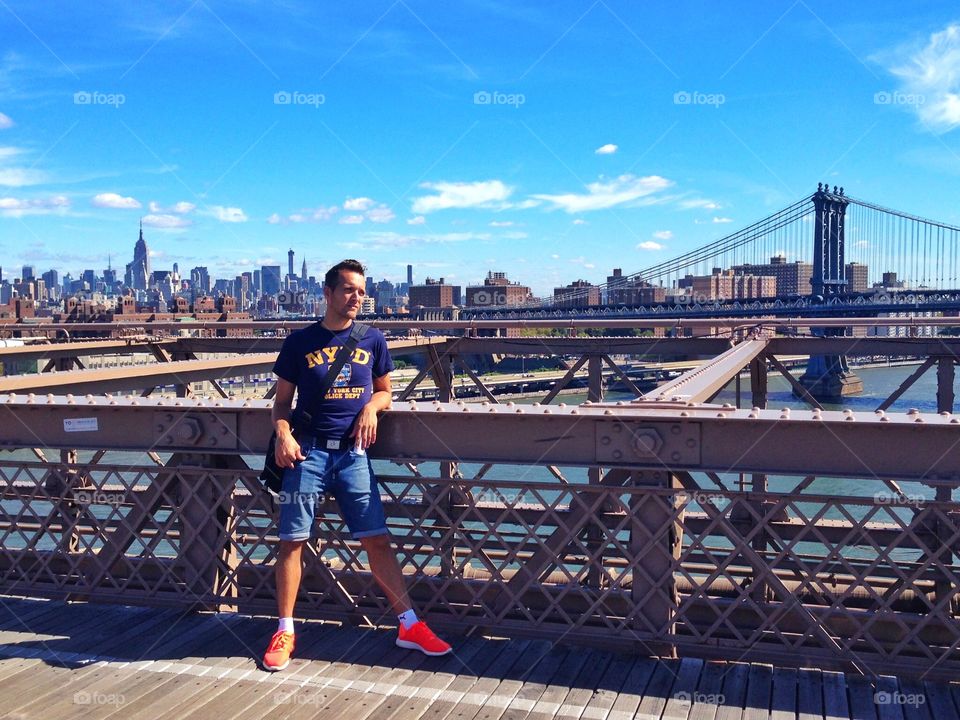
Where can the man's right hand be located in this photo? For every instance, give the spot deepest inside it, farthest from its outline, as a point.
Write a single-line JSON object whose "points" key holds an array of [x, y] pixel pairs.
{"points": [[287, 451]]}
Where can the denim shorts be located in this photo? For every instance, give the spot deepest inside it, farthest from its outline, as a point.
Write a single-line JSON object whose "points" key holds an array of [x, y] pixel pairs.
{"points": [[346, 475]]}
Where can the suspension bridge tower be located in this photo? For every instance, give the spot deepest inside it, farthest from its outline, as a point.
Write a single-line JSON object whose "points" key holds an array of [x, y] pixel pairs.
{"points": [[828, 377]]}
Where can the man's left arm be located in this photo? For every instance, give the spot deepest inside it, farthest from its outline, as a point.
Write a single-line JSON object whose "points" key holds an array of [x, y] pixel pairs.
{"points": [[366, 428]]}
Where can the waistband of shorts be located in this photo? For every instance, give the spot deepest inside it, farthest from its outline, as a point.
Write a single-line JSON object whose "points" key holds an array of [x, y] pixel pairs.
{"points": [[327, 442]]}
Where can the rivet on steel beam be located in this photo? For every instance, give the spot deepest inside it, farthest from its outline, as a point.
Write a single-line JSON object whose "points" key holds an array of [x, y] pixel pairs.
{"points": [[884, 419], [134, 402], [675, 456], [30, 397], [721, 416], [608, 412], [465, 409], [848, 412], [562, 405], [588, 402], [511, 404], [546, 411], [439, 409], [620, 403], [684, 413], [617, 454], [178, 403], [755, 409], [784, 416], [919, 419], [954, 421], [519, 410], [485, 403], [879, 412], [728, 406], [944, 414], [913, 411], [491, 409], [536, 405], [849, 418], [752, 416]]}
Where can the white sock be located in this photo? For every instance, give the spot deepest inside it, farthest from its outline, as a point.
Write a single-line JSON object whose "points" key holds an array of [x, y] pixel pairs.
{"points": [[408, 619], [286, 625]]}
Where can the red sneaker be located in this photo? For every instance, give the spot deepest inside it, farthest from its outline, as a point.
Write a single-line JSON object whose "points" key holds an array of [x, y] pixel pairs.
{"points": [[420, 637], [277, 656]]}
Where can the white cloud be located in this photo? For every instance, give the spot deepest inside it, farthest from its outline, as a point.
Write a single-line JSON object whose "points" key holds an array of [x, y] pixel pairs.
{"points": [[623, 190], [579, 221], [358, 204], [5, 121], [229, 214], [117, 202], [663, 235], [17, 207], [180, 208], [390, 240], [351, 219], [487, 193], [380, 214], [608, 149], [20, 177], [718, 220], [166, 222], [699, 204], [555, 256], [515, 235], [583, 262], [306, 215], [418, 220], [930, 80], [649, 245], [504, 223]]}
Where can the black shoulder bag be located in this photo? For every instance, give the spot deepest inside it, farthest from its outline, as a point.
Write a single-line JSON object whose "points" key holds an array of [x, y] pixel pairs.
{"points": [[272, 474]]}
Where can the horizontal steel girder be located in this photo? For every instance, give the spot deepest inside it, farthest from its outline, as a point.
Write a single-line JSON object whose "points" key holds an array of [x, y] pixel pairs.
{"points": [[684, 437]]}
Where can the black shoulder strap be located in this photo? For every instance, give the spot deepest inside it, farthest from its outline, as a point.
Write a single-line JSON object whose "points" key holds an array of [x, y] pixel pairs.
{"points": [[356, 335]]}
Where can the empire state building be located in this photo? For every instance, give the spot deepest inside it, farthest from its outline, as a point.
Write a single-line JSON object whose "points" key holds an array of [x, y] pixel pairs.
{"points": [[138, 272]]}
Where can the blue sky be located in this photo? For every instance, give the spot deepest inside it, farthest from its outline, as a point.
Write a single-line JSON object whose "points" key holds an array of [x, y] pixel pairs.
{"points": [[553, 141]]}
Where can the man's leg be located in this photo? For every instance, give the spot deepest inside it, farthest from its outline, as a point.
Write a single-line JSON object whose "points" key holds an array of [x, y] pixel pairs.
{"points": [[386, 570], [287, 571]]}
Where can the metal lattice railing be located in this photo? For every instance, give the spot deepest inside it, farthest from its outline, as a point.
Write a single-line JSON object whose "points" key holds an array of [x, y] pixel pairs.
{"points": [[652, 560]]}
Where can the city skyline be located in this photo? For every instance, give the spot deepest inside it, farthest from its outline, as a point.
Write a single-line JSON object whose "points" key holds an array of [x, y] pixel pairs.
{"points": [[562, 142]]}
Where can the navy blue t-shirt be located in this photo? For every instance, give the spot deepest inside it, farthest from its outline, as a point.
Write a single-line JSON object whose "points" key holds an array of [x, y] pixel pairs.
{"points": [[304, 359]]}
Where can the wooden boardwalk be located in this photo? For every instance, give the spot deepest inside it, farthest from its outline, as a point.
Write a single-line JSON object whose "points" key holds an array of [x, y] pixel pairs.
{"points": [[79, 660]]}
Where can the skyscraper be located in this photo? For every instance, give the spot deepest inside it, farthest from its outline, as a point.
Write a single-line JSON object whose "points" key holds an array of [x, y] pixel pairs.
{"points": [[138, 271], [290, 263], [303, 273], [409, 276]]}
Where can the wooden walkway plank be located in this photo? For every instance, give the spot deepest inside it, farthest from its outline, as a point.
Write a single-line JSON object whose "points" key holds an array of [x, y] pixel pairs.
{"points": [[658, 692], [535, 681], [810, 695], [608, 686], [705, 703], [239, 670], [759, 692], [424, 685], [888, 710], [324, 687], [564, 681], [783, 701], [939, 701], [495, 703], [863, 705], [230, 650], [499, 653], [835, 704], [734, 691], [96, 690], [919, 710], [681, 697]]}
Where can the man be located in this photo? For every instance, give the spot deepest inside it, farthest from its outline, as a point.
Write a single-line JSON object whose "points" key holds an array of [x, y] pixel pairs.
{"points": [[329, 457]]}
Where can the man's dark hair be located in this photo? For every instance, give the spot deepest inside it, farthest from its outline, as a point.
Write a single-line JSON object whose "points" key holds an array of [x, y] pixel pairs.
{"points": [[332, 278]]}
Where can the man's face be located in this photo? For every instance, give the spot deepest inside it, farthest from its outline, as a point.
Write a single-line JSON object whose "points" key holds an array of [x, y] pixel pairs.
{"points": [[344, 301]]}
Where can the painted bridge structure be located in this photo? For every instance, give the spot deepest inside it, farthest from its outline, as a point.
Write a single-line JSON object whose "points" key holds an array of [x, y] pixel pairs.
{"points": [[673, 525]]}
